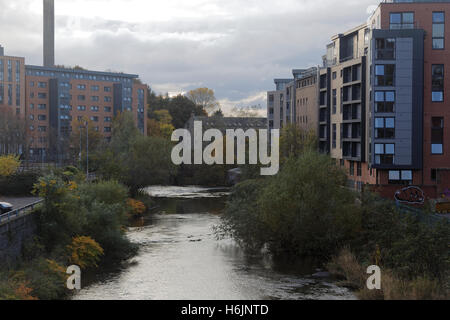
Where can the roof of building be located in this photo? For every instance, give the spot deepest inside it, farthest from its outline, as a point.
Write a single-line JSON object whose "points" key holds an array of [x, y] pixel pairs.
{"points": [[80, 70], [218, 122]]}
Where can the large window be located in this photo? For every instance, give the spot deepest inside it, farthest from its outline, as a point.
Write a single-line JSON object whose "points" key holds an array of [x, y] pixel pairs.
{"points": [[384, 153], [334, 101], [384, 75], [334, 136], [2, 73], [402, 20], [384, 101], [437, 83], [438, 30], [437, 135], [400, 177], [384, 128], [2, 90], [385, 49]]}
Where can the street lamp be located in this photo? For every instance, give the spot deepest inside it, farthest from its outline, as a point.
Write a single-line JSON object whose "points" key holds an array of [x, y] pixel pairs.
{"points": [[87, 148]]}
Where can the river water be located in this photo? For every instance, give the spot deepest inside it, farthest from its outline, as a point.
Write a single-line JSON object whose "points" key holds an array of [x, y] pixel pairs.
{"points": [[180, 259]]}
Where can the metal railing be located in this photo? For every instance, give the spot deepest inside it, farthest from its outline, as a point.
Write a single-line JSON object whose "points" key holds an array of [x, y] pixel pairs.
{"points": [[15, 214]]}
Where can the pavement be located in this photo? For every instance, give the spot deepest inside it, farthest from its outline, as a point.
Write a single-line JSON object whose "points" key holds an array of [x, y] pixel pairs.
{"points": [[19, 202]]}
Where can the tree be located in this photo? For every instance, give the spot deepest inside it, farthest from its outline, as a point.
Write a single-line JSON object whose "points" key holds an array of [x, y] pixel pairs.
{"points": [[9, 165], [133, 159], [12, 132], [181, 109], [294, 141], [205, 98], [78, 139]]}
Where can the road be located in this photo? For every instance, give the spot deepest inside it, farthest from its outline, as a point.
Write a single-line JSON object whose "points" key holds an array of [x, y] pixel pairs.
{"points": [[19, 202]]}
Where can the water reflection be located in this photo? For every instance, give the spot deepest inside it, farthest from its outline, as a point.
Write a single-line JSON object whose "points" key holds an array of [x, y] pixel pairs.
{"points": [[181, 259]]}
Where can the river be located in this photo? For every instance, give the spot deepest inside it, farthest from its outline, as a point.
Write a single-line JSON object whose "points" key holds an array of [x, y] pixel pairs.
{"points": [[180, 259]]}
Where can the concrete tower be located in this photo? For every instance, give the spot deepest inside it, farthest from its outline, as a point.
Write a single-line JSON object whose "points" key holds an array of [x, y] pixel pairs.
{"points": [[49, 33]]}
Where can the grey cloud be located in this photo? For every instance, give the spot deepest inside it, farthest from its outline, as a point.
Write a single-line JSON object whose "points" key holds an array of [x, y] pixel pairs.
{"points": [[239, 55]]}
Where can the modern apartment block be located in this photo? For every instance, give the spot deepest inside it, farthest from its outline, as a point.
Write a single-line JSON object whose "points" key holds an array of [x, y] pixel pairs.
{"points": [[283, 102], [54, 99], [60, 98], [381, 105]]}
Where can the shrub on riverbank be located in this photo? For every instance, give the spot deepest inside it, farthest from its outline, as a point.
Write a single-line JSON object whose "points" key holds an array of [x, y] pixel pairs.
{"points": [[393, 287], [304, 210], [307, 211], [78, 223]]}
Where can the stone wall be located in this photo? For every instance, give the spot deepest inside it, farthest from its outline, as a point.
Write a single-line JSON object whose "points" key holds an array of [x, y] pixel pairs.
{"points": [[14, 235]]}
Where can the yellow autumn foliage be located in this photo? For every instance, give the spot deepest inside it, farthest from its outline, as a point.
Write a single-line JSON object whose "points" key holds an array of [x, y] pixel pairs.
{"points": [[84, 252], [136, 207], [9, 165]]}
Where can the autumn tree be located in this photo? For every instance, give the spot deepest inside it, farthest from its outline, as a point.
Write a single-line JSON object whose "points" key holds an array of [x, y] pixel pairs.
{"points": [[9, 165], [78, 138], [12, 132], [205, 98]]}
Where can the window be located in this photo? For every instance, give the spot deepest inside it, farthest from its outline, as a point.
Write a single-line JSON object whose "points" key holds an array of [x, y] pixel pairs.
{"points": [[94, 98], [385, 49], [438, 30], [402, 20], [107, 89], [107, 99], [95, 108], [10, 93], [42, 129], [352, 168], [400, 177], [359, 169], [334, 75], [42, 85], [437, 135], [384, 128], [81, 87], [95, 88], [384, 75], [434, 174], [437, 94], [384, 101], [17, 95], [9, 71], [95, 119], [42, 95], [81, 108], [334, 101], [108, 119], [107, 129], [42, 117], [2, 74], [334, 135], [31, 106], [42, 106], [107, 109], [81, 97], [384, 153], [271, 98]]}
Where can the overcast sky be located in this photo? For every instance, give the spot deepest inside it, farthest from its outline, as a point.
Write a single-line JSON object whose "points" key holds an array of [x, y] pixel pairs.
{"points": [[235, 47]]}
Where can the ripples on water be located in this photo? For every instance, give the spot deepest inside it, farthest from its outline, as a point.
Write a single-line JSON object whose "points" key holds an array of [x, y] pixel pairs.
{"points": [[181, 259]]}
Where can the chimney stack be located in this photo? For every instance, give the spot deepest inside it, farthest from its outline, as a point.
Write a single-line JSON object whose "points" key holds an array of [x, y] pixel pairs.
{"points": [[49, 33]]}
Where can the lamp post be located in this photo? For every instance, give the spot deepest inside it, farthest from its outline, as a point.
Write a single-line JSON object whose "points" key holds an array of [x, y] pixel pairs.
{"points": [[87, 151]]}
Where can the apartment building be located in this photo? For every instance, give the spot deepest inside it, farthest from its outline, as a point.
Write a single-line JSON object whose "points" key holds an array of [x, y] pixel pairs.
{"points": [[381, 104], [59, 98], [52, 100], [306, 95]]}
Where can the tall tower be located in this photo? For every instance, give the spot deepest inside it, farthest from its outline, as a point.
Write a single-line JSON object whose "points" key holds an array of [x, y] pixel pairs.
{"points": [[49, 33]]}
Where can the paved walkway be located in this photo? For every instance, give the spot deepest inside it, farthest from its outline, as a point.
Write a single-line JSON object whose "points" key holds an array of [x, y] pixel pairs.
{"points": [[19, 202]]}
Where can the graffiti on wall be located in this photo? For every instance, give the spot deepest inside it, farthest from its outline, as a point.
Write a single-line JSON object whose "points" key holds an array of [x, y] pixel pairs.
{"points": [[410, 195], [446, 193]]}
